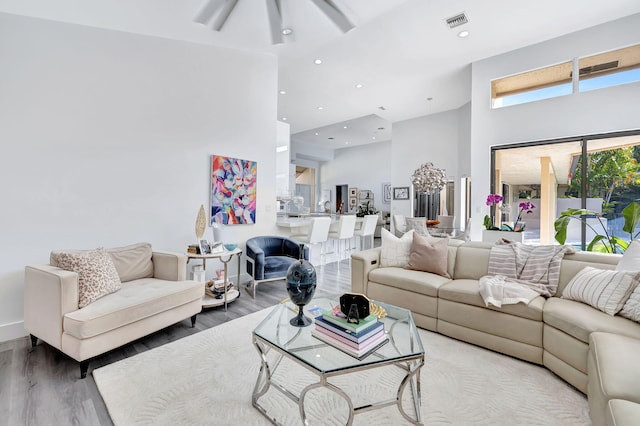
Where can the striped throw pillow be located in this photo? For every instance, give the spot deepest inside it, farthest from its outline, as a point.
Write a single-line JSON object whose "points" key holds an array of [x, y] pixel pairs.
{"points": [[603, 289]]}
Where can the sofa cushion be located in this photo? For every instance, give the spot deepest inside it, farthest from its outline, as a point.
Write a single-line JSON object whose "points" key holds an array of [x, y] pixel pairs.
{"points": [[136, 300], [580, 320], [472, 260], [97, 276], [416, 281], [468, 292], [613, 372], [429, 257], [574, 263], [602, 289], [395, 251], [277, 266], [631, 258], [622, 413], [631, 262], [133, 262]]}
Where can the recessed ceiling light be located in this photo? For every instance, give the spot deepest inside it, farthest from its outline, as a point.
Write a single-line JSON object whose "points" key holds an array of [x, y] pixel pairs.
{"points": [[283, 92], [346, 143], [284, 118], [320, 108], [358, 86], [317, 133], [344, 127], [463, 34], [317, 61], [286, 31], [373, 137]]}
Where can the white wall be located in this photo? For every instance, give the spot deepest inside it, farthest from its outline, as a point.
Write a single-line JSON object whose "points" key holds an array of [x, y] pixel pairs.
{"points": [[106, 138], [430, 138], [599, 111], [283, 162], [362, 167]]}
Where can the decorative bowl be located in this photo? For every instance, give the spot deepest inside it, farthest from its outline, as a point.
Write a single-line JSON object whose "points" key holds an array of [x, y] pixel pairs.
{"points": [[230, 246]]}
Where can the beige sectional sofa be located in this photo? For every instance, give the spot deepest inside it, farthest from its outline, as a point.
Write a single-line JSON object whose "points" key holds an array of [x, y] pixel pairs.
{"points": [[572, 339], [154, 295]]}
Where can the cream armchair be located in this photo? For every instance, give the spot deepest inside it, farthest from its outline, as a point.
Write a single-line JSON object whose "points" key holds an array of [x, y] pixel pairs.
{"points": [[154, 295]]}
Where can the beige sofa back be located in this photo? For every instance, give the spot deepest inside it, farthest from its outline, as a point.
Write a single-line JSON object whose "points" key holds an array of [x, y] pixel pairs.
{"points": [[132, 262], [574, 263], [472, 260]]}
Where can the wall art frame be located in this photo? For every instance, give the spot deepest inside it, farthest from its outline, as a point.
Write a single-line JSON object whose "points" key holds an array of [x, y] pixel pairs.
{"points": [[401, 193], [386, 192], [233, 190]]}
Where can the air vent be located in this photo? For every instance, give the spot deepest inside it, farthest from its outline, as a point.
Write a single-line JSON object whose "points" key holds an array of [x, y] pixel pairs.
{"points": [[594, 69], [598, 68], [456, 21]]}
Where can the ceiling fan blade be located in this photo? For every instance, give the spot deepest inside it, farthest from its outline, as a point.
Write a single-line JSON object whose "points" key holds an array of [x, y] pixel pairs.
{"points": [[227, 8], [334, 13], [274, 11], [207, 11]]}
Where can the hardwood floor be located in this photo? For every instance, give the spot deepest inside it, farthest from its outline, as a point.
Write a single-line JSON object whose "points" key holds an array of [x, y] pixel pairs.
{"points": [[41, 386]]}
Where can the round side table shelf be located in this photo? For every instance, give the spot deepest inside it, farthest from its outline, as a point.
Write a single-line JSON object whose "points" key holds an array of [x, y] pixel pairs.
{"points": [[224, 257], [212, 302]]}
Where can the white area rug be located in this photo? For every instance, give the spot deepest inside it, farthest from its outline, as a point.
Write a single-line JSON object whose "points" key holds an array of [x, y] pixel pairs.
{"points": [[208, 378]]}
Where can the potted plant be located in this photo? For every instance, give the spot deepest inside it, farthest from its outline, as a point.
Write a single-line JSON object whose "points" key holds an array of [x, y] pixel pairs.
{"points": [[365, 209], [603, 241], [492, 233]]}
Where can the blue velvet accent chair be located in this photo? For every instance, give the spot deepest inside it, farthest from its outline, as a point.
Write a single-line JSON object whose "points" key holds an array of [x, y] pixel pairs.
{"points": [[269, 258]]}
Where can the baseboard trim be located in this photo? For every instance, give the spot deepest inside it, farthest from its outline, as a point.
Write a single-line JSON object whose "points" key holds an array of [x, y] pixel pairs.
{"points": [[11, 331]]}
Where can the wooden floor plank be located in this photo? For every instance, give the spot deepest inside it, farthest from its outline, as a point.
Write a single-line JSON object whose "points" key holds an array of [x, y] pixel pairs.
{"points": [[5, 382]]}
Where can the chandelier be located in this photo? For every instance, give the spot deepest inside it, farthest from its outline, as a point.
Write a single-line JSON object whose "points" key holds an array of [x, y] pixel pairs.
{"points": [[221, 9], [428, 178]]}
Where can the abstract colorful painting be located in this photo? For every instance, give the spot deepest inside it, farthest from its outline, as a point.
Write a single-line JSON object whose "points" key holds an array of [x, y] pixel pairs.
{"points": [[233, 190]]}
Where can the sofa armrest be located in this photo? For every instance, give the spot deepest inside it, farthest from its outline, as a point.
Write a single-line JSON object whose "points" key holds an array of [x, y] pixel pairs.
{"points": [[362, 263], [169, 266], [49, 294]]}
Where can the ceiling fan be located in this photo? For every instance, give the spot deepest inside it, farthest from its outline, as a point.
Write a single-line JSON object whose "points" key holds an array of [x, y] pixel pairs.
{"points": [[274, 10]]}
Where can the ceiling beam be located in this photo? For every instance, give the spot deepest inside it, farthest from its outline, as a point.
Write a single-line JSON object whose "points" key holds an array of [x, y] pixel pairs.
{"points": [[274, 10], [333, 12], [207, 11], [227, 8]]}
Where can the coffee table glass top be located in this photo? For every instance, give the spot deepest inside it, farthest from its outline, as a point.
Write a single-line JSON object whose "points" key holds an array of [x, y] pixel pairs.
{"points": [[298, 342]]}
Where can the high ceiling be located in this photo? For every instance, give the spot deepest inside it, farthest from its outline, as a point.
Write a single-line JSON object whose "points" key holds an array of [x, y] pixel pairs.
{"points": [[400, 51]]}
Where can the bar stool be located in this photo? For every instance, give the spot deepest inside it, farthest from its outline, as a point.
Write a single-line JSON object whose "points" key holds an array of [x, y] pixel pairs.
{"points": [[367, 229], [344, 230], [316, 233]]}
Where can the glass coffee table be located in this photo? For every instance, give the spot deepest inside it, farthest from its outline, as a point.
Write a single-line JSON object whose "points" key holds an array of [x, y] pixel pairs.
{"points": [[274, 333]]}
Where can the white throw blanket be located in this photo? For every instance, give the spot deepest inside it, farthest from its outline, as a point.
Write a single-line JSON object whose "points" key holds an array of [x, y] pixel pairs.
{"points": [[520, 272]]}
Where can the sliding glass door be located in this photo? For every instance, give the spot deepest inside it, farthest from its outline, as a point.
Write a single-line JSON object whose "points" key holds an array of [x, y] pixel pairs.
{"points": [[599, 173]]}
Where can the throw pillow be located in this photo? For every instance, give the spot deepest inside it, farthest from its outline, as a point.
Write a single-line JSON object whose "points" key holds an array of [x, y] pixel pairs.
{"points": [[429, 257], [631, 308], [631, 258], [97, 276], [132, 262], [631, 262], [395, 251], [603, 289]]}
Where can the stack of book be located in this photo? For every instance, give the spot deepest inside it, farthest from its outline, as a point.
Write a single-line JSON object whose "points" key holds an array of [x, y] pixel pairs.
{"points": [[193, 249], [357, 340]]}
